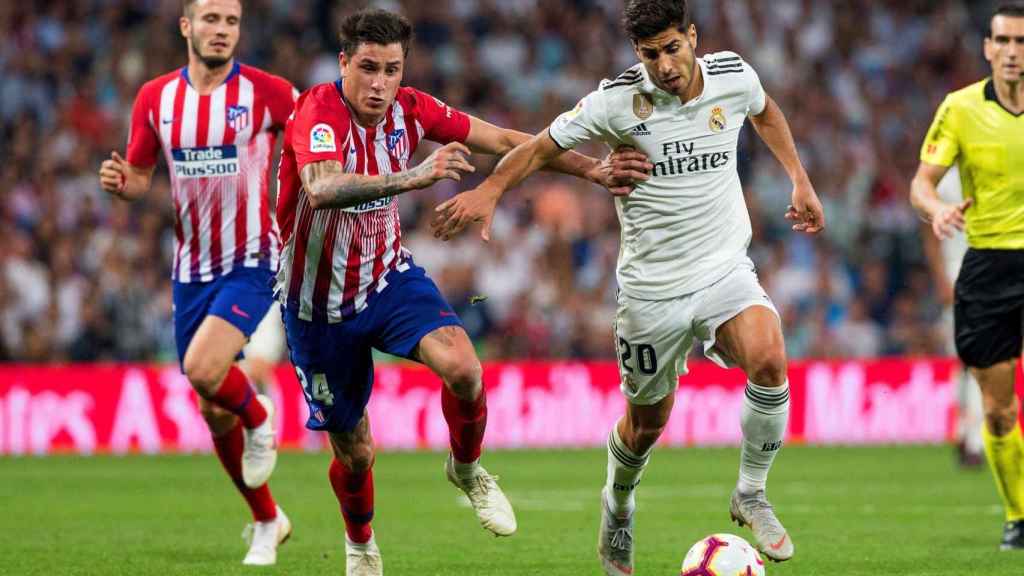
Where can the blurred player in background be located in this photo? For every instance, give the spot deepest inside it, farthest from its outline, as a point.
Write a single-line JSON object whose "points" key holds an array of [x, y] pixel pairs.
{"points": [[944, 258], [349, 286], [683, 270], [216, 121], [981, 128]]}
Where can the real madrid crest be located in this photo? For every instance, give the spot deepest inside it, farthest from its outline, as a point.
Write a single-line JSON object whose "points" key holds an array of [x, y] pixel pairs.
{"points": [[643, 106], [717, 122]]}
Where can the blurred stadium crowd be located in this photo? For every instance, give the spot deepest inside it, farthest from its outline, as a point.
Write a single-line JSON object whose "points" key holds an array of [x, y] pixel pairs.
{"points": [[84, 278]]}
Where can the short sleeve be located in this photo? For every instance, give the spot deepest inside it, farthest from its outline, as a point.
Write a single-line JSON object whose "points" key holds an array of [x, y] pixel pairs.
{"points": [[281, 101], [319, 132], [941, 146], [757, 98], [143, 140], [441, 123], [583, 123]]}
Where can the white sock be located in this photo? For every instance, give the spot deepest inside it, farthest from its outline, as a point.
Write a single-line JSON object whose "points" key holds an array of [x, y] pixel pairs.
{"points": [[465, 469], [624, 470], [765, 413]]}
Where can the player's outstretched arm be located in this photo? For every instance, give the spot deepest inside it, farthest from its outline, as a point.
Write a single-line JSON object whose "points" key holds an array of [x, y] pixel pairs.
{"points": [[478, 205], [329, 186], [618, 173], [805, 211], [121, 179], [946, 219]]}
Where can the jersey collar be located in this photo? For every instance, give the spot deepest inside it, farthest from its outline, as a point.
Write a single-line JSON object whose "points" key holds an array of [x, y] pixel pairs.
{"points": [[235, 68], [990, 94]]}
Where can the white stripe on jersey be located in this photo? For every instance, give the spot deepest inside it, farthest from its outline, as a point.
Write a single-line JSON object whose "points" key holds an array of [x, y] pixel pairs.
{"points": [[189, 119], [166, 114], [314, 248], [246, 97]]}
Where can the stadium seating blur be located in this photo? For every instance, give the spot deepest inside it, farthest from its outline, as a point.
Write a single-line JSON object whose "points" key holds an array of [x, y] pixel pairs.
{"points": [[85, 278]]}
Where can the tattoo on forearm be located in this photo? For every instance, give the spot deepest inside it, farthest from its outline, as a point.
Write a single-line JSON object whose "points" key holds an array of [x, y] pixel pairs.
{"points": [[329, 186]]}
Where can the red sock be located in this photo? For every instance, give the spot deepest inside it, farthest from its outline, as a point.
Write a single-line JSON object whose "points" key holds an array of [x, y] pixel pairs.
{"points": [[236, 395], [466, 423], [229, 450], [355, 495]]}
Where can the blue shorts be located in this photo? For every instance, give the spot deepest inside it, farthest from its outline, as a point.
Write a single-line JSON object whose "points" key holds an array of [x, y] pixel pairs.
{"points": [[242, 297], [334, 362]]}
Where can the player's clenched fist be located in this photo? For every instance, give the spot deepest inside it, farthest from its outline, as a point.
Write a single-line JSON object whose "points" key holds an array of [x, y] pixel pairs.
{"points": [[448, 161], [113, 174]]}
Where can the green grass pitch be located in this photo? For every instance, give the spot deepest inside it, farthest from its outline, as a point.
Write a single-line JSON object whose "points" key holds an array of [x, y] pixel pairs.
{"points": [[850, 511]]}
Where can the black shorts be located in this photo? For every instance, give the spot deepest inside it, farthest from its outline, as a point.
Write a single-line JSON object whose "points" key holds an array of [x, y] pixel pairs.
{"points": [[988, 307]]}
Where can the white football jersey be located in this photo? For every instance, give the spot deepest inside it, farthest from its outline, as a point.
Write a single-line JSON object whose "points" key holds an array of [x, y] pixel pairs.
{"points": [[687, 226], [953, 248]]}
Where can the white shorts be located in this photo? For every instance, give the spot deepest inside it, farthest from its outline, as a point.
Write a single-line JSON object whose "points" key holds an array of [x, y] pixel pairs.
{"points": [[268, 341], [653, 336]]}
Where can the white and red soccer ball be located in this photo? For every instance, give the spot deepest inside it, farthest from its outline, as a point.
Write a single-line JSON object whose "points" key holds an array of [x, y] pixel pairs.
{"points": [[722, 555]]}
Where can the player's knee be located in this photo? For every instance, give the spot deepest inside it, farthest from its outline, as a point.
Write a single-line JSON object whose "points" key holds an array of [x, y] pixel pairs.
{"points": [[203, 373], [360, 458], [767, 367], [1000, 416], [463, 377]]}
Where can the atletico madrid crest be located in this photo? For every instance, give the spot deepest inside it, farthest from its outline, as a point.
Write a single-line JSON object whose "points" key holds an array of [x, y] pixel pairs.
{"points": [[396, 143], [238, 117]]}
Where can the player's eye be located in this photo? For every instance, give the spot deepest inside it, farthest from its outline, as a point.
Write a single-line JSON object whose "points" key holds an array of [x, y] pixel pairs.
{"points": [[672, 49]]}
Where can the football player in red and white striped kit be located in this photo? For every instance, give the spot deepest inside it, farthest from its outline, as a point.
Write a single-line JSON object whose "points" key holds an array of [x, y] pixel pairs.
{"points": [[216, 121], [347, 283]]}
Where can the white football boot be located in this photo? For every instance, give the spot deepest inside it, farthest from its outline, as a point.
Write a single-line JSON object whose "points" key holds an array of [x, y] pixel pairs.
{"points": [[259, 456], [492, 507], [615, 542], [754, 510], [363, 559], [264, 538]]}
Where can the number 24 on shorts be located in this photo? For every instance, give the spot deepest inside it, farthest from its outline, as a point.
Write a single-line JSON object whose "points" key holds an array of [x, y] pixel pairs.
{"points": [[320, 391]]}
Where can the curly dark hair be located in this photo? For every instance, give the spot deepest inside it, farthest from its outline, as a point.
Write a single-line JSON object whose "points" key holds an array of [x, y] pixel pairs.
{"points": [[645, 18], [375, 26]]}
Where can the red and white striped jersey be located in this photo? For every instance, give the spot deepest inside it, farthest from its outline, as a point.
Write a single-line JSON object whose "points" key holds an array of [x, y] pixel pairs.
{"points": [[217, 148], [333, 259]]}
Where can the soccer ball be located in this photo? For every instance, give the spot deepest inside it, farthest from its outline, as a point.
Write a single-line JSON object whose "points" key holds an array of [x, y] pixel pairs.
{"points": [[722, 555]]}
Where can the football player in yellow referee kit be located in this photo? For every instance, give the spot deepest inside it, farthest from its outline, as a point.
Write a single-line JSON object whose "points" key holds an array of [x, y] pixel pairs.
{"points": [[981, 127]]}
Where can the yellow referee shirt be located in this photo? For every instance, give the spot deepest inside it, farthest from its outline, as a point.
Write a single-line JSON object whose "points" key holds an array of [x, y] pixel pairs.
{"points": [[971, 127]]}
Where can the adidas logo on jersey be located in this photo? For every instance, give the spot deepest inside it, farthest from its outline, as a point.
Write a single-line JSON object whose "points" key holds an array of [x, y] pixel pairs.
{"points": [[640, 130]]}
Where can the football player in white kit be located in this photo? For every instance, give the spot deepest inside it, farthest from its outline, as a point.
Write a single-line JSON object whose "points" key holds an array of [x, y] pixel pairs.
{"points": [[944, 259], [683, 270]]}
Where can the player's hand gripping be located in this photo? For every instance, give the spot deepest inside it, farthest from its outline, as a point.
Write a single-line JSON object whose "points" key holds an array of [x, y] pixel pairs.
{"points": [[622, 170], [448, 161], [950, 219], [806, 212], [459, 211], [114, 174]]}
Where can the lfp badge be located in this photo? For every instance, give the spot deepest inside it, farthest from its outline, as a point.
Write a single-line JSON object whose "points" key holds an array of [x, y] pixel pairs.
{"points": [[238, 117]]}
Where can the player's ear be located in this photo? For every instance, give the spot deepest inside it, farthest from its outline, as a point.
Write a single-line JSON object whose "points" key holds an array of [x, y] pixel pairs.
{"points": [[185, 26], [691, 35], [342, 62]]}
